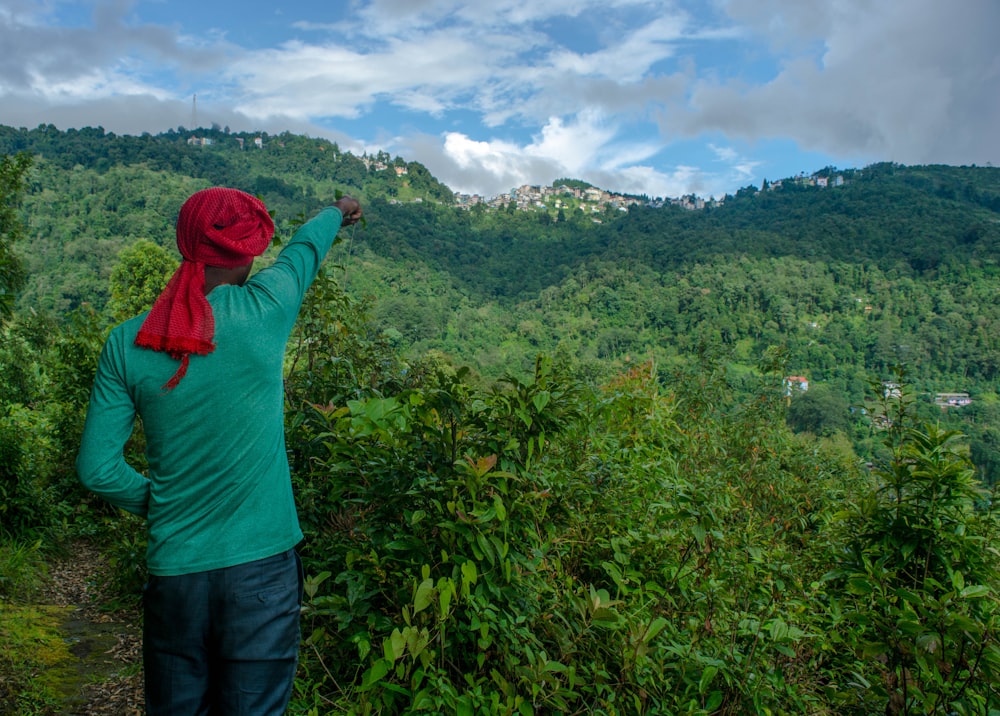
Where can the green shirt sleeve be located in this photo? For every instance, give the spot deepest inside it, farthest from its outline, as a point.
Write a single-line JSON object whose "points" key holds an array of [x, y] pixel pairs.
{"points": [[101, 463]]}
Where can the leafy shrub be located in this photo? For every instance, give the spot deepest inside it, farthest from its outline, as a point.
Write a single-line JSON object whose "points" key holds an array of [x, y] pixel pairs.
{"points": [[920, 576], [534, 548], [28, 501]]}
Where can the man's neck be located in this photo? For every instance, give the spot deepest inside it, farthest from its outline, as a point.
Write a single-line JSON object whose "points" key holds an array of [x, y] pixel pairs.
{"points": [[217, 276]]}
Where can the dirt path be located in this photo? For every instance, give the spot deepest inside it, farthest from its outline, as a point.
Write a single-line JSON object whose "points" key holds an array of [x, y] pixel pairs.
{"points": [[105, 674]]}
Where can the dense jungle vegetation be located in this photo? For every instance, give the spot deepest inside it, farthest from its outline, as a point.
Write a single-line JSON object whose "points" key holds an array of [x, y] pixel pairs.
{"points": [[548, 461]]}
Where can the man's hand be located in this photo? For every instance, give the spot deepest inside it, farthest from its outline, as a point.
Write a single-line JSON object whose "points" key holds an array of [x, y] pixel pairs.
{"points": [[350, 209]]}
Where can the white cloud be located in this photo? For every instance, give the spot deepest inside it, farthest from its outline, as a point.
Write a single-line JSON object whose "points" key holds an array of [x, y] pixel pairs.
{"points": [[726, 154], [492, 167], [573, 145], [496, 157], [628, 54], [425, 73], [912, 82], [488, 168], [654, 183]]}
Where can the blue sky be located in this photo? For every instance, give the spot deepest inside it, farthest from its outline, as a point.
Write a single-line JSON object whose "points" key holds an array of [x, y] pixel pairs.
{"points": [[659, 98]]}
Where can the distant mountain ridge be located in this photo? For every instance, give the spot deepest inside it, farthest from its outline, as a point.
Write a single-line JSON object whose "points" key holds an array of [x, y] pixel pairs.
{"points": [[884, 213], [206, 150]]}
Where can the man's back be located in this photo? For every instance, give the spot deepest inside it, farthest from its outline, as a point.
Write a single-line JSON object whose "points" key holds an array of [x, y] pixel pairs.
{"points": [[219, 491]]}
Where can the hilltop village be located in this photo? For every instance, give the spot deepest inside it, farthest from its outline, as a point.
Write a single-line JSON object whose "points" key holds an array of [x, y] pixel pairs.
{"points": [[596, 201], [528, 197]]}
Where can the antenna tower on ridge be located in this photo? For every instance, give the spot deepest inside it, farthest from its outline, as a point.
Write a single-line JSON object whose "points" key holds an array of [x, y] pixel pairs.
{"points": [[194, 112]]}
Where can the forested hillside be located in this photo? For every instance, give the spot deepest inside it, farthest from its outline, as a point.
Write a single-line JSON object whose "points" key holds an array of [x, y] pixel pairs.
{"points": [[884, 266], [643, 460]]}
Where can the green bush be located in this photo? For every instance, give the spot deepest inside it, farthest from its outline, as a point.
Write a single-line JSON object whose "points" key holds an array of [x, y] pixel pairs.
{"points": [[28, 502], [919, 583], [536, 548]]}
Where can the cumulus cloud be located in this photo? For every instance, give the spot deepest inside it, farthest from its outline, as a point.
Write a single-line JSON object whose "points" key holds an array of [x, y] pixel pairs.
{"points": [[912, 82], [492, 167]]}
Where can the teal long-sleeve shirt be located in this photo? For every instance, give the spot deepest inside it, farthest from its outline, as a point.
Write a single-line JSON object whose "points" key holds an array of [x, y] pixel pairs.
{"points": [[218, 492]]}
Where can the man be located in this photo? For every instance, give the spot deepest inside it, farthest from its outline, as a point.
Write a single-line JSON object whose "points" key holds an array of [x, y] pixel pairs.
{"points": [[203, 369]]}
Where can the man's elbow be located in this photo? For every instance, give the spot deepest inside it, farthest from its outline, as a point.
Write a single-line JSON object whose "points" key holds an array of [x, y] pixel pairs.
{"points": [[91, 472], [84, 472]]}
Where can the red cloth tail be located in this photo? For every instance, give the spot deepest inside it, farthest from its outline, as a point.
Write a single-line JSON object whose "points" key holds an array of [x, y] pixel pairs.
{"points": [[181, 372]]}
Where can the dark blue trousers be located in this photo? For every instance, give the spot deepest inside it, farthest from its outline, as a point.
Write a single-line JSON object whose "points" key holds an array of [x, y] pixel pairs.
{"points": [[223, 642]]}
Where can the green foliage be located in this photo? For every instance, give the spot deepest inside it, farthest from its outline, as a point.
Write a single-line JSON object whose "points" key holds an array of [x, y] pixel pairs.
{"points": [[430, 545], [821, 411], [20, 575], [898, 264], [535, 548], [45, 378], [627, 554], [13, 172], [335, 352], [921, 577], [28, 500], [20, 374], [123, 536], [571, 183], [141, 273]]}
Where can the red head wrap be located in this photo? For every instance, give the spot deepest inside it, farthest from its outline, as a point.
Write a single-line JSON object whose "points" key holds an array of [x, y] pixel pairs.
{"points": [[216, 227]]}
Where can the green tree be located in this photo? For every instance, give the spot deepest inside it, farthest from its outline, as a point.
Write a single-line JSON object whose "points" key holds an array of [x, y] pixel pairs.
{"points": [[821, 411], [920, 576], [142, 271], [13, 172]]}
